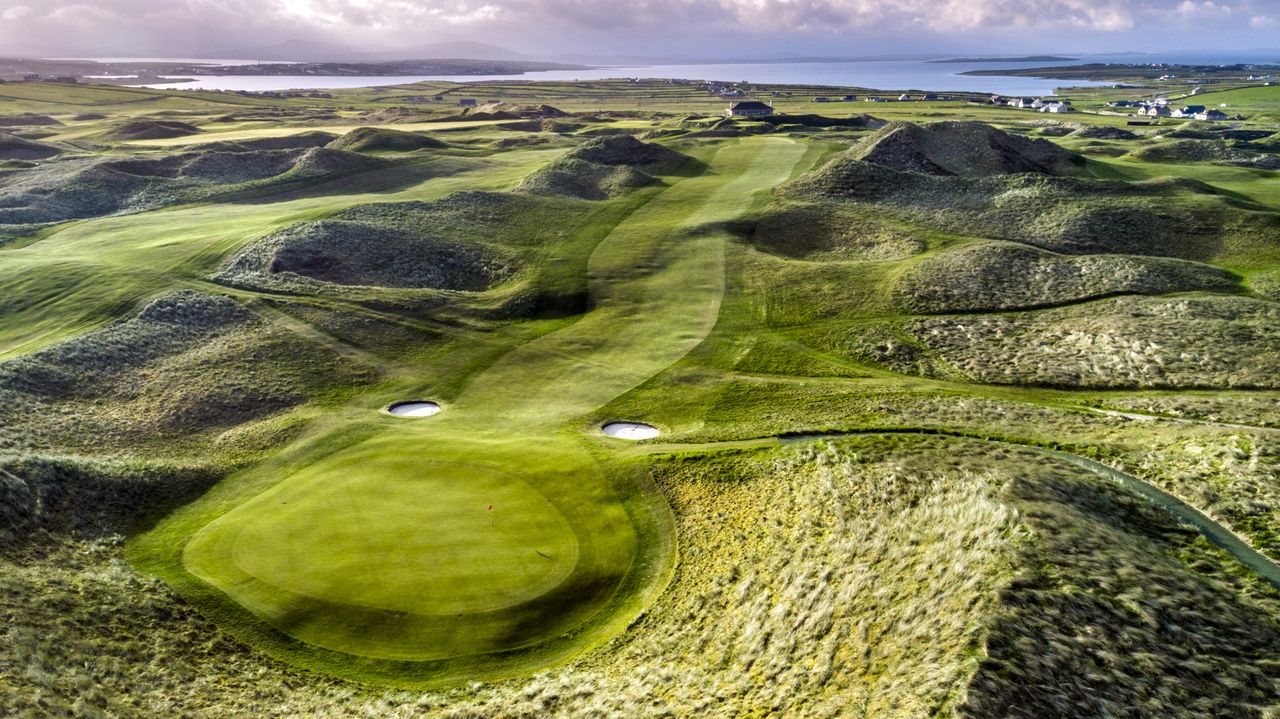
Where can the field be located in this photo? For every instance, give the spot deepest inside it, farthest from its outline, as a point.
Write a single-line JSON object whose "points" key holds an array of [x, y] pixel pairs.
{"points": [[961, 412]]}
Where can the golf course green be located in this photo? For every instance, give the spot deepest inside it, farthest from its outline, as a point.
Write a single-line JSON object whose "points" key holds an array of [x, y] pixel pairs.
{"points": [[600, 401], [491, 527]]}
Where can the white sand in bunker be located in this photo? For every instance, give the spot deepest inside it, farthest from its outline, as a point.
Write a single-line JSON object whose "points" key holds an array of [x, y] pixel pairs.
{"points": [[416, 408], [630, 430]]}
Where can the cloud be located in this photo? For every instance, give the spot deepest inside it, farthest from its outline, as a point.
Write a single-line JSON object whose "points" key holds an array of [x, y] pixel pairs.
{"points": [[16, 12], [1262, 22], [645, 26], [1192, 10]]}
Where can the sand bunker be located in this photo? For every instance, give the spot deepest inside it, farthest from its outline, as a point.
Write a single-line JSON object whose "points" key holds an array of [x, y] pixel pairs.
{"points": [[630, 430], [415, 408]]}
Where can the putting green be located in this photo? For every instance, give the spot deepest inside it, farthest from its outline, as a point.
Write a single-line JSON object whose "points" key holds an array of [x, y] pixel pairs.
{"points": [[438, 541], [388, 550]]}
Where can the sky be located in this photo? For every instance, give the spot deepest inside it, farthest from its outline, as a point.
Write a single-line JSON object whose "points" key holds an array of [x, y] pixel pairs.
{"points": [[684, 28]]}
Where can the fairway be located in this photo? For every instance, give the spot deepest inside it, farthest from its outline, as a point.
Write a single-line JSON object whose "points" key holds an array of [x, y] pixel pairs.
{"points": [[490, 527]]}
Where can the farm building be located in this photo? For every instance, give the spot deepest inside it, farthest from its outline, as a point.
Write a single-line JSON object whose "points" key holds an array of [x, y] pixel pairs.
{"points": [[467, 102], [748, 108]]}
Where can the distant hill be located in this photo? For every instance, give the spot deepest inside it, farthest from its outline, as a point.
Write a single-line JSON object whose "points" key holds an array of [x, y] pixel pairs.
{"points": [[295, 50], [1022, 58], [462, 50]]}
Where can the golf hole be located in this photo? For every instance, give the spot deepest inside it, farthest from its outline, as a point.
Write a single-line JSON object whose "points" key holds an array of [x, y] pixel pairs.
{"points": [[630, 430], [414, 408]]}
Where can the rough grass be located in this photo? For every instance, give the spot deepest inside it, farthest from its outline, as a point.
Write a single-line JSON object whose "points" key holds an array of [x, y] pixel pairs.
{"points": [[889, 578], [27, 119], [1164, 217], [186, 369], [828, 231], [17, 148], [602, 168], [971, 149], [582, 180], [49, 500], [363, 253], [1118, 612], [782, 606], [149, 129], [995, 276], [381, 139], [76, 188], [461, 242], [299, 141], [1104, 132], [1216, 151], [533, 111], [1188, 342]]}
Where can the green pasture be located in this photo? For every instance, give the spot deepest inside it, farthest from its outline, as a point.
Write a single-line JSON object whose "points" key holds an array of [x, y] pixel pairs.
{"points": [[1257, 103]]}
